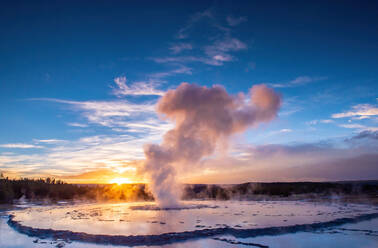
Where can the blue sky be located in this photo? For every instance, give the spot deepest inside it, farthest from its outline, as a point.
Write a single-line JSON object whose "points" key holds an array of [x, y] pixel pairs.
{"points": [[79, 81]]}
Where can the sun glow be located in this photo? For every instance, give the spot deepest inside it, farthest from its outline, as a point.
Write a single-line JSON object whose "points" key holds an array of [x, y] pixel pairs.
{"points": [[120, 181]]}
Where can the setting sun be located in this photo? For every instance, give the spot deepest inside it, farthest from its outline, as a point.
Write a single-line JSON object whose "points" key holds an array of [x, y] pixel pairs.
{"points": [[120, 181]]}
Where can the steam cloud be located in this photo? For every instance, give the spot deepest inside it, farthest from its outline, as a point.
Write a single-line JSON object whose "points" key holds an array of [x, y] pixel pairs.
{"points": [[204, 118]]}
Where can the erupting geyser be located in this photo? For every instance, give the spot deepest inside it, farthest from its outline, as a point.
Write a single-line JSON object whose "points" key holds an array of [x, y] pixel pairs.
{"points": [[204, 118]]}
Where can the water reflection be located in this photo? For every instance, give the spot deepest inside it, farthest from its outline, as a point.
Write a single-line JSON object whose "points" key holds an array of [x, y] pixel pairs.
{"points": [[125, 219]]}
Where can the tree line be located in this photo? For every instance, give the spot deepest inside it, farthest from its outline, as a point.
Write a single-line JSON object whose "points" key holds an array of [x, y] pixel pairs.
{"points": [[49, 189]]}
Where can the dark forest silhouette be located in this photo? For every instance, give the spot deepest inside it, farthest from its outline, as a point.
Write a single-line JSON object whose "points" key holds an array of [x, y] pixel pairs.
{"points": [[14, 190]]}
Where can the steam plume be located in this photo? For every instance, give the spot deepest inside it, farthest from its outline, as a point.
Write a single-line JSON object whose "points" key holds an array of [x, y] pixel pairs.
{"points": [[204, 118]]}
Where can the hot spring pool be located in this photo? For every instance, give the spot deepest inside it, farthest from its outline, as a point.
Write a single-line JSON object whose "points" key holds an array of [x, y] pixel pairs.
{"points": [[145, 224]]}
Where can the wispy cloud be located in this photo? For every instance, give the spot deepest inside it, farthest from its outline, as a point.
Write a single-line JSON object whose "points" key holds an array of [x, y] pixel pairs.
{"points": [[119, 115], [234, 21], [219, 50], [138, 88], [214, 54], [133, 124], [106, 108], [179, 47], [299, 81], [291, 106], [325, 121], [112, 151], [360, 111], [216, 47], [281, 131], [286, 130], [76, 124], [183, 32], [48, 141], [158, 76], [359, 127], [78, 156], [20, 145], [365, 135], [188, 59], [148, 86]]}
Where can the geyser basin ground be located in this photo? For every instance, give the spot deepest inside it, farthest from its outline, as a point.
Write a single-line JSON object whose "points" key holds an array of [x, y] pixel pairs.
{"points": [[141, 219]]}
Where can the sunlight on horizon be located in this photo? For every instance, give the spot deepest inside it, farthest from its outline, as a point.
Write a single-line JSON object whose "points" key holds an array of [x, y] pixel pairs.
{"points": [[121, 181]]}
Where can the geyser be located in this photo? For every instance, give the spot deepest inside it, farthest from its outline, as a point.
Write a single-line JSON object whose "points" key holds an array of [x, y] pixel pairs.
{"points": [[204, 118]]}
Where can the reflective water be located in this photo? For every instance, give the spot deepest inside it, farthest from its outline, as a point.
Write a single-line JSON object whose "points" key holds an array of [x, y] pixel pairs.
{"points": [[363, 234], [120, 219], [123, 219]]}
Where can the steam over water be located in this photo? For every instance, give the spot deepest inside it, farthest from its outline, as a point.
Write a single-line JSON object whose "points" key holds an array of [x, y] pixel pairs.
{"points": [[145, 219], [204, 119], [198, 224]]}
